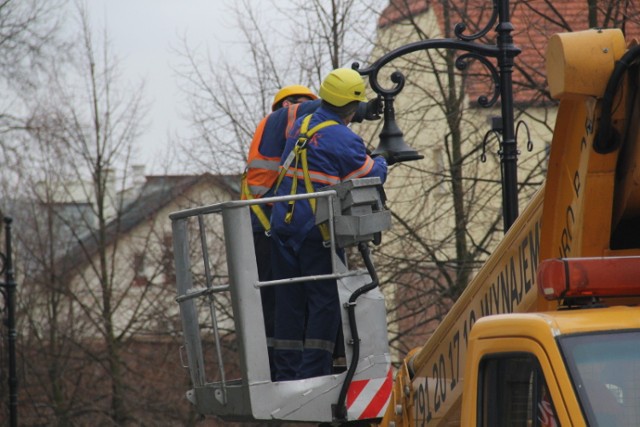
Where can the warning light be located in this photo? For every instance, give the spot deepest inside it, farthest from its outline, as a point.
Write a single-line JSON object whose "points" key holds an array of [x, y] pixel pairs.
{"points": [[589, 277]]}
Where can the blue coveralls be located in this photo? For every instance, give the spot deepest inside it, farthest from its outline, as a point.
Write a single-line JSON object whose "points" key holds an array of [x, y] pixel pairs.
{"points": [[335, 154], [271, 145]]}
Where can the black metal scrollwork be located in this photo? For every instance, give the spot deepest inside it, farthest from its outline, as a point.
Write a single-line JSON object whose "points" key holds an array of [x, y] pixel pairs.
{"points": [[461, 26], [462, 63], [475, 51], [504, 52]]}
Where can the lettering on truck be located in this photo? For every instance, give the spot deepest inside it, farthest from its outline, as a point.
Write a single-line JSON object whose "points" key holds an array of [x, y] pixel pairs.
{"points": [[439, 385], [573, 207]]}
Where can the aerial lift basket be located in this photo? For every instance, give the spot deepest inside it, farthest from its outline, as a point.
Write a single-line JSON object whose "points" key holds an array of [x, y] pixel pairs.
{"points": [[354, 212]]}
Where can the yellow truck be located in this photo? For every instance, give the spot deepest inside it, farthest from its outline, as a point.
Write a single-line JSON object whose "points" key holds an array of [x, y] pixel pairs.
{"points": [[546, 334], [574, 250]]}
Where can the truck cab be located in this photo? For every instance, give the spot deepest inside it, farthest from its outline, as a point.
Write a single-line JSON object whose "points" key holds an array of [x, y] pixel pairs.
{"points": [[578, 365], [555, 369]]}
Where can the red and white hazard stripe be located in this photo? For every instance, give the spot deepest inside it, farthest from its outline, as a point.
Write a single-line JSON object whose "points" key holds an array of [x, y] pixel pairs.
{"points": [[369, 398]]}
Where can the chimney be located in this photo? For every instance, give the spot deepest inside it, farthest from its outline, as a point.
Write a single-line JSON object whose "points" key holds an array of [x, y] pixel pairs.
{"points": [[110, 192], [137, 175]]}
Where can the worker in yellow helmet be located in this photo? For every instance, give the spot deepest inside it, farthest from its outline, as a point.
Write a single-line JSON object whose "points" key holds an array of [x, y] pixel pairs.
{"points": [[308, 314], [261, 172]]}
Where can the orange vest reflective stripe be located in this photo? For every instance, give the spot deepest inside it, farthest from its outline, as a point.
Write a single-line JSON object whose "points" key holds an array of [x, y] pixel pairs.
{"points": [[262, 171]]}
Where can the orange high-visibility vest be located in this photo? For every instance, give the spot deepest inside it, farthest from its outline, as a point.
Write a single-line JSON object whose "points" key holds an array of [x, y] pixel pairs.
{"points": [[262, 172]]}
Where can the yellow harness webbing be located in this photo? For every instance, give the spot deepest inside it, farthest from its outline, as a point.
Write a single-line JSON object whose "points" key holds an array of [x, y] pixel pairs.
{"points": [[256, 209], [299, 155]]}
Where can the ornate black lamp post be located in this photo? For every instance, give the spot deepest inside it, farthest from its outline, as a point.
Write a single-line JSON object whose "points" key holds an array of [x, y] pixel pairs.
{"points": [[504, 52], [8, 289]]}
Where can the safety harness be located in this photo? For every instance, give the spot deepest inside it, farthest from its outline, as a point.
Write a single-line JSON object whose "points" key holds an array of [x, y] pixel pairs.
{"points": [[299, 156], [257, 209]]}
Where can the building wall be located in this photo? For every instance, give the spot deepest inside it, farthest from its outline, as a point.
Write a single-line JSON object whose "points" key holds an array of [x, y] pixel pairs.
{"points": [[418, 185], [417, 261], [142, 266]]}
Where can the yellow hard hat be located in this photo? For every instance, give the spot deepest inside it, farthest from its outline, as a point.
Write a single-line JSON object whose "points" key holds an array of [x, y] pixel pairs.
{"points": [[342, 86], [293, 90]]}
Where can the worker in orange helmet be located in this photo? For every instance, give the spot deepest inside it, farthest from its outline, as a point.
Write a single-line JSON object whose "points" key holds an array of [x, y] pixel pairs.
{"points": [[261, 172], [293, 94]]}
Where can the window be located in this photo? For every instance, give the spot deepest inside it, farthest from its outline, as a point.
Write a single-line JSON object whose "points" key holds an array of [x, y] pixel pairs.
{"points": [[440, 172], [140, 277], [513, 393], [168, 269], [605, 372]]}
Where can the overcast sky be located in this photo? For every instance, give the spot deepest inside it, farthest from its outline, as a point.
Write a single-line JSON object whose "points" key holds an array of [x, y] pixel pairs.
{"points": [[141, 34]]}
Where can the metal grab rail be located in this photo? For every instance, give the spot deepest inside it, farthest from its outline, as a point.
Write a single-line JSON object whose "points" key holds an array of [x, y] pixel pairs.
{"points": [[355, 213], [310, 278], [218, 207], [330, 195], [187, 294], [198, 292]]}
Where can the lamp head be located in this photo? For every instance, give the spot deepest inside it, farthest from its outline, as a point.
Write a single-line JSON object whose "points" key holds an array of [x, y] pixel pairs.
{"points": [[392, 145]]}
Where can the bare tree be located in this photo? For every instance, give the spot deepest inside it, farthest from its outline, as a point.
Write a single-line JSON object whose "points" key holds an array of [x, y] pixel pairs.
{"points": [[30, 32], [294, 43], [30, 36], [49, 325], [99, 316], [81, 129], [446, 207]]}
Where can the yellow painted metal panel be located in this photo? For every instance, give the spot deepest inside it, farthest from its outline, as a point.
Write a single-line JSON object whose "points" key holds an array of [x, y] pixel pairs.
{"points": [[506, 284], [580, 63], [568, 162]]}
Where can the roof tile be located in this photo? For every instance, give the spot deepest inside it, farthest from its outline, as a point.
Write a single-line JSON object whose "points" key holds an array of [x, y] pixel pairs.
{"points": [[534, 22]]}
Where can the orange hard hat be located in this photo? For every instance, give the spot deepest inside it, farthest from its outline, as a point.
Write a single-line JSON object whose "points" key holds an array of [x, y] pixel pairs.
{"points": [[293, 90]]}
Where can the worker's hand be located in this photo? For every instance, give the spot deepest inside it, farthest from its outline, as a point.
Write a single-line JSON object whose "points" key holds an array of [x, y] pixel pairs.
{"points": [[374, 108], [390, 159]]}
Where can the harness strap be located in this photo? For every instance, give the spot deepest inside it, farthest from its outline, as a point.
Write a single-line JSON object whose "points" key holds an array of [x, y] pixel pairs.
{"points": [[299, 155], [292, 114], [256, 209], [305, 135]]}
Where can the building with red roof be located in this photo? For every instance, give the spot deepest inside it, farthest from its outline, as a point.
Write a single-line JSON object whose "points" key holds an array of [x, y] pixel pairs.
{"points": [[534, 22], [430, 259]]}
